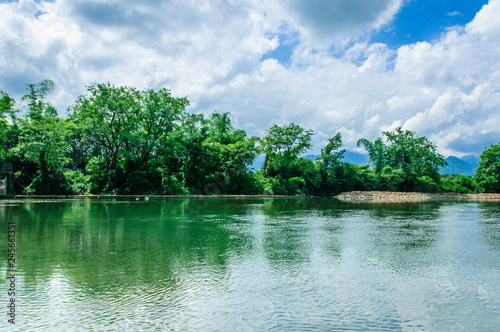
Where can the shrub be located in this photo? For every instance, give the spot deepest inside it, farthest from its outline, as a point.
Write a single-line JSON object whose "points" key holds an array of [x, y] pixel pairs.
{"points": [[77, 182], [171, 185], [458, 184], [425, 184]]}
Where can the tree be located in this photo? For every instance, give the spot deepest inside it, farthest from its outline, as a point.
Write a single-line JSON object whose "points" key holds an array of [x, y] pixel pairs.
{"points": [[6, 105], [214, 155], [127, 130], [35, 99], [8, 132], [377, 152], [488, 173], [42, 141], [282, 147], [330, 167], [415, 157]]}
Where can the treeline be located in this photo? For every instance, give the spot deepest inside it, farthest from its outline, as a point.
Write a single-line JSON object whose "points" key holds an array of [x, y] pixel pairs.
{"points": [[126, 141]]}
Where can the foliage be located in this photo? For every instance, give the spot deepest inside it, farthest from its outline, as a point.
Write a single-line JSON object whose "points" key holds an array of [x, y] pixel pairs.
{"points": [[357, 178], [462, 184], [330, 167], [377, 152], [415, 157], [124, 129], [8, 133], [42, 141], [487, 174], [77, 182], [390, 179], [127, 141], [282, 147]]}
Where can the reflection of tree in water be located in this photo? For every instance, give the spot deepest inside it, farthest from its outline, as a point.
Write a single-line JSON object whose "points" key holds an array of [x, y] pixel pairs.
{"points": [[490, 224], [103, 244], [35, 256], [296, 227], [403, 235]]}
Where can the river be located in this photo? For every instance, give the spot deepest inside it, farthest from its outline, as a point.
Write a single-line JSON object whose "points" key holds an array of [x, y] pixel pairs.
{"points": [[251, 265]]}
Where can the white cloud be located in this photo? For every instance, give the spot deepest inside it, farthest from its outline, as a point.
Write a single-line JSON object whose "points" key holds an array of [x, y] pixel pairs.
{"points": [[324, 22], [455, 13], [447, 90]]}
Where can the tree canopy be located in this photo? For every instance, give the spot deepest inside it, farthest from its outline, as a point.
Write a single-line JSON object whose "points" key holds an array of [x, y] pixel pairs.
{"points": [[404, 153], [129, 141], [488, 173]]}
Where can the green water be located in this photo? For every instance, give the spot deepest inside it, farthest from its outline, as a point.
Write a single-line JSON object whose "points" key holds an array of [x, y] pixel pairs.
{"points": [[252, 264]]}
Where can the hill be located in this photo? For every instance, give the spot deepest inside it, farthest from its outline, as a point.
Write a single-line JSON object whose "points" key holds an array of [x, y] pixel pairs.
{"points": [[458, 166]]}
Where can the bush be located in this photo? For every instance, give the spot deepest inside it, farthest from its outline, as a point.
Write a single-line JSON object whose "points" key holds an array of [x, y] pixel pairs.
{"points": [[425, 185], [462, 184], [77, 182], [295, 186], [358, 178], [171, 185], [48, 183], [390, 179]]}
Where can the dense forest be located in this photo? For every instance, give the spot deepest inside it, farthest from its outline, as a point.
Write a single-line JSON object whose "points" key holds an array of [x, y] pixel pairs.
{"points": [[119, 140]]}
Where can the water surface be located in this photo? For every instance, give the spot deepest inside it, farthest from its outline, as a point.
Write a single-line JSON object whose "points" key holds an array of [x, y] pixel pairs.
{"points": [[253, 264]]}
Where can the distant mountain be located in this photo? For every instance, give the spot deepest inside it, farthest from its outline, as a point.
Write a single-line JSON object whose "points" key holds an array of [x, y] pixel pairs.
{"points": [[472, 160], [313, 157], [349, 157], [355, 158], [460, 166]]}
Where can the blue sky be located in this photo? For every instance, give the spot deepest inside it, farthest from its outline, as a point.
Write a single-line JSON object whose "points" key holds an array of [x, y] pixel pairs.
{"points": [[415, 21], [426, 20], [359, 67]]}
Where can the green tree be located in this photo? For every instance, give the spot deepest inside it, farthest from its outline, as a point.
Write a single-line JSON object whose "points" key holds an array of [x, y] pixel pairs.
{"points": [[214, 155], [404, 159], [42, 141], [36, 100], [330, 167], [488, 173], [282, 147], [127, 131], [9, 132], [6, 105], [415, 156], [377, 152]]}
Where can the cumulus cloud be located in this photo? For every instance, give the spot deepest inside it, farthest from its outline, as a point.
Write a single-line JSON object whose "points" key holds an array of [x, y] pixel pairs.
{"points": [[324, 22], [216, 53], [447, 90]]}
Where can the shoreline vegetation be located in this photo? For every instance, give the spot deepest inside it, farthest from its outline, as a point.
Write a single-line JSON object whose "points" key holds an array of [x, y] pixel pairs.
{"points": [[124, 141], [347, 197]]}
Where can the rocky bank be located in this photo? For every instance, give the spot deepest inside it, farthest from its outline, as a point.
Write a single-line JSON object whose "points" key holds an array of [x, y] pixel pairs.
{"points": [[397, 197]]}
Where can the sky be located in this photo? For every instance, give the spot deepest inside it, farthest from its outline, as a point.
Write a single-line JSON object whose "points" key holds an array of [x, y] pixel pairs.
{"points": [[359, 67]]}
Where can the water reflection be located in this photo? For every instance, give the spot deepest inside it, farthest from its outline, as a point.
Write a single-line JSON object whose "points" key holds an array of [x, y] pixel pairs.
{"points": [[256, 264], [490, 224]]}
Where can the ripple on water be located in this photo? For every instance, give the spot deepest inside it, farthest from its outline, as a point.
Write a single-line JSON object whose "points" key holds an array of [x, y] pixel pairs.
{"points": [[347, 269]]}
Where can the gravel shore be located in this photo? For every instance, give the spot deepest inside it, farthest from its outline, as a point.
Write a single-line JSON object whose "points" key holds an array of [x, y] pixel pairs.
{"points": [[396, 197]]}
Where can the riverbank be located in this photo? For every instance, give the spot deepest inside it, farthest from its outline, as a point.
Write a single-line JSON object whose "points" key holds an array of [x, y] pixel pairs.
{"points": [[349, 197], [400, 197], [142, 197]]}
